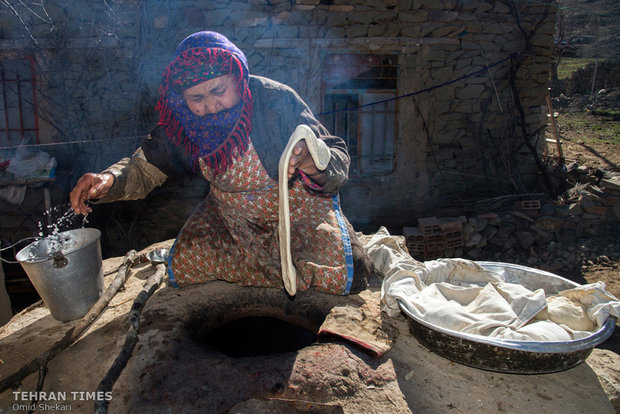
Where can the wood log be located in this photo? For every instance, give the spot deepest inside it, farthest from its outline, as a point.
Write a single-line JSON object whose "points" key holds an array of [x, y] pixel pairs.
{"points": [[13, 380], [106, 384]]}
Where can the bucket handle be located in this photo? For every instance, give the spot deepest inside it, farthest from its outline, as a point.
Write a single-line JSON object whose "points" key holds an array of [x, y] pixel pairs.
{"points": [[59, 260], [16, 243], [13, 245]]}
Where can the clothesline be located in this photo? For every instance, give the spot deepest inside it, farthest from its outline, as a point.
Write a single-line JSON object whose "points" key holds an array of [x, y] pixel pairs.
{"points": [[351, 108], [579, 9], [49, 144], [420, 91]]}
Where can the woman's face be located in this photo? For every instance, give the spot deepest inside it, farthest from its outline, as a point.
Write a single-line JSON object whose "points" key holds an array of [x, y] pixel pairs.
{"points": [[212, 96]]}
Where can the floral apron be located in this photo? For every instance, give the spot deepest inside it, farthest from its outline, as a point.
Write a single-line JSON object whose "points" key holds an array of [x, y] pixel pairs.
{"points": [[233, 234]]}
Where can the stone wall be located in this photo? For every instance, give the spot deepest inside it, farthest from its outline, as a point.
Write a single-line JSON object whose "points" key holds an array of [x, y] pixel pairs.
{"points": [[556, 236], [470, 134]]}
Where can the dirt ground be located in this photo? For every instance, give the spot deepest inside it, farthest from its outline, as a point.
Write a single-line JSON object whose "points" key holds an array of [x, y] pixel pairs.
{"points": [[594, 142], [590, 140]]}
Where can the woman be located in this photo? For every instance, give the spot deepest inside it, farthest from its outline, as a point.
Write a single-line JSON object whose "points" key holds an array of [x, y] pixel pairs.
{"points": [[232, 127]]}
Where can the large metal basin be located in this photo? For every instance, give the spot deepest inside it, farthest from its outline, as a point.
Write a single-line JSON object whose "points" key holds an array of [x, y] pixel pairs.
{"points": [[510, 356]]}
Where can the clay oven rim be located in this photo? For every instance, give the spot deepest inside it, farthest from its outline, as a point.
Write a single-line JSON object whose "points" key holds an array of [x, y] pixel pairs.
{"points": [[306, 309]]}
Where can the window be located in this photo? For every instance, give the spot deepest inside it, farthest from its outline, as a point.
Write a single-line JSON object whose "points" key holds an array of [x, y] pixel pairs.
{"points": [[18, 103], [359, 106]]}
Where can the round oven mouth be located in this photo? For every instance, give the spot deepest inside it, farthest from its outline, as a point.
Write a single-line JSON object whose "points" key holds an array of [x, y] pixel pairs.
{"points": [[259, 322], [256, 335]]}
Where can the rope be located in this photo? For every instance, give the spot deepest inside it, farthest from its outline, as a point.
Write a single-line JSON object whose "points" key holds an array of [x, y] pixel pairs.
{"points": [[486, 68], [579, 9], [50, 144], [352, 108]]}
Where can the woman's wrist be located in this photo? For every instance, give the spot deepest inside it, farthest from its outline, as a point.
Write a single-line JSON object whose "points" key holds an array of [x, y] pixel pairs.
{"points": [[315, 182], [320, 177]]}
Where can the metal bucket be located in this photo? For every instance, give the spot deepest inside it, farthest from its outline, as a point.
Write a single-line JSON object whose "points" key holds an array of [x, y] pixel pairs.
{"points": [[66, 270]]}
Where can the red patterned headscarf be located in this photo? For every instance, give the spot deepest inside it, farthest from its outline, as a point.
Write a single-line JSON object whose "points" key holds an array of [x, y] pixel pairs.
{"points": [[215, 138]]}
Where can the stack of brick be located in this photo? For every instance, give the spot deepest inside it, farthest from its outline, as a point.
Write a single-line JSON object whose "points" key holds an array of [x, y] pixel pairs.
{"points": [[453, 230], [434, 239], [433, 236], [529, 207]]}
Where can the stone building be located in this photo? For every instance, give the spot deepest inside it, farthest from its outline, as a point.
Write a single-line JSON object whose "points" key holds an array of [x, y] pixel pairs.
{"points": [[442, 102]]}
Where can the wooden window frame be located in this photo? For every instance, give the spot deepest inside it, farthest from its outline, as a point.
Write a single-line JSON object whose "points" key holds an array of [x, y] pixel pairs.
{"points": [[7, 123], [356, 78]]}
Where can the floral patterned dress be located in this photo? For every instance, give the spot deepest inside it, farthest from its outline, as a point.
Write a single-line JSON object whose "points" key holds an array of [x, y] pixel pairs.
{"points": [[233, 234]]}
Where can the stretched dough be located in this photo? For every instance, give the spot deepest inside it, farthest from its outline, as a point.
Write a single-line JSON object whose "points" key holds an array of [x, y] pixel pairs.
{"points": [[320, 155]]}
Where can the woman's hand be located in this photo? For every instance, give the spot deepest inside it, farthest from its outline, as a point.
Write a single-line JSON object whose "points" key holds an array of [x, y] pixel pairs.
{"points": [[89, 186], [302, 160]]}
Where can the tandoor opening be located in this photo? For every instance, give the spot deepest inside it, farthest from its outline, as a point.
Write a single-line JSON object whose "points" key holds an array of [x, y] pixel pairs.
{"points": [[257, 335]]}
